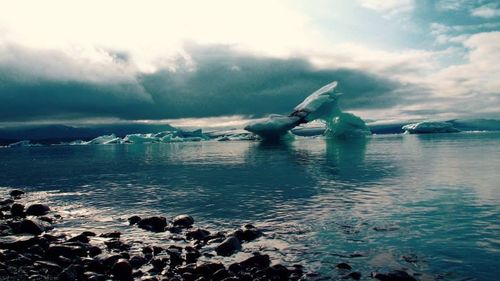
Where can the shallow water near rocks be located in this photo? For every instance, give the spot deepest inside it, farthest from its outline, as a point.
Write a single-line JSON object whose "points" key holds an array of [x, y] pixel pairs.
{"points": [[428, 203]]}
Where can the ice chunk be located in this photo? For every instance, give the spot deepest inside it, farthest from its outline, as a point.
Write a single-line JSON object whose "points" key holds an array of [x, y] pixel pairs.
{"points": [[430, 128], [320, 104], [346, 125], [106, 139], [275, 126], [140, 138]]}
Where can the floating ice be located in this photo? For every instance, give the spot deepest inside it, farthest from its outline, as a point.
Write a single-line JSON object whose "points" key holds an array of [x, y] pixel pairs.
{"points": [[322, 105], [430, 128], [106, 139], [23, 143]]}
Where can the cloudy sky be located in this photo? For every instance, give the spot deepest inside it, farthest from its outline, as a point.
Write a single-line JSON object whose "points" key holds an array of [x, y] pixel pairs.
{"points": [[115, 61]]}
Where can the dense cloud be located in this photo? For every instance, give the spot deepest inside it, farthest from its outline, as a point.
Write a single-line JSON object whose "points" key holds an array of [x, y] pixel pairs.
{"points": [[212, 81]]}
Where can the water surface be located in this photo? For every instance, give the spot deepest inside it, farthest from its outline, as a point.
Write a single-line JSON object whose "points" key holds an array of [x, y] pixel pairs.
{"points": [[430, 203]]}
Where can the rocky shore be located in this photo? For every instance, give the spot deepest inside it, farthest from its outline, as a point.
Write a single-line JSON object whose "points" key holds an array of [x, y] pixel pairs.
{"points": [[31, 248]]}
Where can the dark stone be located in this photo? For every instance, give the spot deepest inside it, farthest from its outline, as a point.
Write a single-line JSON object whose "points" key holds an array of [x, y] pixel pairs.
{"points": [[17, 210], [94, 251], [122, 270], [280, 271], [198, 234], [183, 221], [88, 233], [51, 267], [192, 254], [396, 275], [208, 269], [344, 265], [31, 227], [94, 265], [6, 202], [220, 274], [154, 224], [188, 276], [149, 278], [134, 220], [159, 264], [353, 275], [71, 273], [235, 268], [137, 261], [117, 245], [66, 251], [113, 234], [37, 210], [16, 193], [259, 261], [175, 257], [250, 234], [79, 238], [228, 246], [147, 250], [93, 276], [157, 250]]}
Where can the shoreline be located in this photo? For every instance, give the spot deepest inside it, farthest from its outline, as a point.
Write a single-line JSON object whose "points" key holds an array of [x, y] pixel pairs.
{"points": [[31, 248]]}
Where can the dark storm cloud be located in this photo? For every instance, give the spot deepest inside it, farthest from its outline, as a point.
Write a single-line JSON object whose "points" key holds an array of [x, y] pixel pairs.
{"points": [[216, 81]]}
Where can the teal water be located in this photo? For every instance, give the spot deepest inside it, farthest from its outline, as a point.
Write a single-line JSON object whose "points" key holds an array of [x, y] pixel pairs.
{"points": [[434, 199]]}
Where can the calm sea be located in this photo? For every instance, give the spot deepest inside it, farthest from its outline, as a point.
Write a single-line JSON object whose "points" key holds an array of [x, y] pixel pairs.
{"points": [[428, 203]]}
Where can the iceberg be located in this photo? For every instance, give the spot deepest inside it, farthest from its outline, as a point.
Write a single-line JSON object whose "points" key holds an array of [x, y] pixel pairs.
{"points": [[106, 139], [430, 127], [140, 138], [320, 105]]}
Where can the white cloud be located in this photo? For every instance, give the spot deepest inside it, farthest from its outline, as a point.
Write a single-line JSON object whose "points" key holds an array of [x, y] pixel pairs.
{"points": [[389, 6], [156, 30], [486, 11]]}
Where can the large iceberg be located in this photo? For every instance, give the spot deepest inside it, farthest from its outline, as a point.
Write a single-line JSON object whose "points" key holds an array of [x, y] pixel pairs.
{"points": [[430, 127], [320, 105]]}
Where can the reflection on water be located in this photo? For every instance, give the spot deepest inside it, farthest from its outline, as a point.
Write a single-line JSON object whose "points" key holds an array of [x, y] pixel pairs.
{"points": [[429, 203]]}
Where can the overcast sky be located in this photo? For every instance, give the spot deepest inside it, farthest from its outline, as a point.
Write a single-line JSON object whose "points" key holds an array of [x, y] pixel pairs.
{"points": [[72, 61]]}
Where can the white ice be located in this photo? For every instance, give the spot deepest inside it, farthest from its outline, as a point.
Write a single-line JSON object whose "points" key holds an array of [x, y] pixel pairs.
{"points": [[322, 105], [430, 127]]}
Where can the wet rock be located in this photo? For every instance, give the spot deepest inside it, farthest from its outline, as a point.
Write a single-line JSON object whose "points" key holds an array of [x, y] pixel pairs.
{"points": [[220, 274], [159, 264], [71, 273], [37, 210], [353, 275], [6, 202], [175, 257], [49, 266], [31, 227], [396, 275], [117, 245], [134, 220], [192, 254], [66, 251], [147, 250], [149, 278], [228, 246], [258, 260], [88, 233], [17, 210], [113, 234], [94, 251], [280, 271], [16, 193], [137, 261], [122, 270], [198, 234], [157, 250], [154, 224], [183, 221], [93, 276], [344, 265], [94, 265], [79, 238]]}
